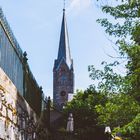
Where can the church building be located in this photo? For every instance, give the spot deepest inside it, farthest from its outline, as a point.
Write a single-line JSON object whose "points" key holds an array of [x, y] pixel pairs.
{"points": [[63, 72]]}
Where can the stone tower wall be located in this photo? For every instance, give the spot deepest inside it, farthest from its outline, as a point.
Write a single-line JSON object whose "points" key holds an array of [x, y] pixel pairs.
{"points": [[63, 85]]}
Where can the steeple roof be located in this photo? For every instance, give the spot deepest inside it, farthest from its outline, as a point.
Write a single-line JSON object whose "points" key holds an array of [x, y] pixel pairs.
{"points": [[64, 49]]}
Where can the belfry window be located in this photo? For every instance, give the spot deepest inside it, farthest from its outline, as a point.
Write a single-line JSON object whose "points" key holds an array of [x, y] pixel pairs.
{"points": [[63, 79]]}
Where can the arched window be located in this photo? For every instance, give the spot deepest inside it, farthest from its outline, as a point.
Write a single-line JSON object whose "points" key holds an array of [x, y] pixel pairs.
{"points": [[63, 79]]}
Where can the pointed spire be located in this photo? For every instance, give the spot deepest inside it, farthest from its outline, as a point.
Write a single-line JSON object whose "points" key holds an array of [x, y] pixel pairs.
{"points": [[64, 49], [64, 4]]}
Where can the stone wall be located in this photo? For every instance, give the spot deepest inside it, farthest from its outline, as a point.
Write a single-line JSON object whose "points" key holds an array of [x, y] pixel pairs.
{"points": [[17, 119], [63, 85]]}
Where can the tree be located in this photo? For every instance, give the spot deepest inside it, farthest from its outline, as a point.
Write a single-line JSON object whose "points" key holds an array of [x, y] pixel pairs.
{"points": [[128, 41], [132, 129], [118, 111], [108, 80], [121, 109], [84, 111]]}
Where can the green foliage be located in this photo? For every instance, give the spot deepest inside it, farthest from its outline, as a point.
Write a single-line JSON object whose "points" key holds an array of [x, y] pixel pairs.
{"points": [[83, 107], [132, 129], [136, 33], [119, 110], [128, 33], [129, 13], [92, 109], [108, 80], [122, 110]]}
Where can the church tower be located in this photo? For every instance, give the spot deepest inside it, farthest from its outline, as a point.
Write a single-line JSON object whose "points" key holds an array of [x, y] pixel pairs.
{"points": [[63, 74]]}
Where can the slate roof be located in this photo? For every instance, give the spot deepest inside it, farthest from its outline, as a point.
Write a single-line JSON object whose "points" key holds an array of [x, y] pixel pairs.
{"points": [[64, 49]]}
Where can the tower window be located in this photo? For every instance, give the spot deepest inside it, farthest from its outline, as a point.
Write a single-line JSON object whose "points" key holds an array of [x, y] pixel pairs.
{"points": [[63, 79], [63, 93]]}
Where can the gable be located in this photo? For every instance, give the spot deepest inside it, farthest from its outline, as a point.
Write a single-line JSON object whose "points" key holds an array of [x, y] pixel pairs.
{"points": [[63, 65]]}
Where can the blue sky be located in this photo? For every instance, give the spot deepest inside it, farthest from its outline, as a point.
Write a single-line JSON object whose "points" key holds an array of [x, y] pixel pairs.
{"points": [[36, 25]]}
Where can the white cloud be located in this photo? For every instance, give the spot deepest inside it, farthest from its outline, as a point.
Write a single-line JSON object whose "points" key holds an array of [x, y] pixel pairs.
{"points": [[79, 5]]}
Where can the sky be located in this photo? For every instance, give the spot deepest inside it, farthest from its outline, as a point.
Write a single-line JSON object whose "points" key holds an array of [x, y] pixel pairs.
{"points": [[36, 25]]}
